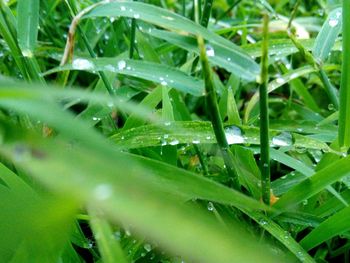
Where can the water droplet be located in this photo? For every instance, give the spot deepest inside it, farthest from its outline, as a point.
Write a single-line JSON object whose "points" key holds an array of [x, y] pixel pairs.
{"points": [[174, 142], [208, 137], [103, 192], [294, 76], [338, 14], [196, 141], [280, 80], [168, 18], [263, 222], [286, 234], [82, 64], [122, 8], [333, 22], [265, 165], [283, 139], [331, 107], [121, 64], [96, 118], [147, 247], [168, 123], [164, 83], [27, 53], [210, 206], [136, 16], [234, 135], [305, 202], [228, 59], [209, 51]]}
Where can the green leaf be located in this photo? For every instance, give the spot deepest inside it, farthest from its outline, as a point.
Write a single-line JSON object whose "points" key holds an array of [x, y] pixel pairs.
{"points": [[344, 109], [314, 184], [245, 66], [158, 73], [332, 226], [28, 25], [328, 35]]}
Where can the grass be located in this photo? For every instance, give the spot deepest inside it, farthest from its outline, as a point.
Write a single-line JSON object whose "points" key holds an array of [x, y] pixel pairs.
{"points": [[157, 131]]}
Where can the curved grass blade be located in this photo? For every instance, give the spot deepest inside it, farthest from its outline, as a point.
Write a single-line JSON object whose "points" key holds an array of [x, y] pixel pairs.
{"points": [[281, 235], [133, 196], [314, 184], [162, 74], [223, 56], [332, 226], [326, 38], [275, 84], [245, 66]]}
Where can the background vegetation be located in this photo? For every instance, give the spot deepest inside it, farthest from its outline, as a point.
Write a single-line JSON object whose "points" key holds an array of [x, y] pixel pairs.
{"points": [[174, 131]]}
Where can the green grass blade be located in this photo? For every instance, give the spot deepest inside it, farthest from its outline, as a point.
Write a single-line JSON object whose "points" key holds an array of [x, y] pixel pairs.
{"points": [[328, 35], [264, 118], [160, 212], [344, 110], [315, 184], [158, 73], [28, 25], [281, 235], [332, 226], [187, 132], [109, 247], [245, 66]]}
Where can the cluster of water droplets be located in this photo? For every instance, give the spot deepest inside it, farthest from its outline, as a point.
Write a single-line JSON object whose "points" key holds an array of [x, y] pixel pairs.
{"points": [[82, 64]]}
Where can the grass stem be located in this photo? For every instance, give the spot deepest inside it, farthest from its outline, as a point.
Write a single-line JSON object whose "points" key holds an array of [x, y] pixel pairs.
{"points": [[264, 118]]}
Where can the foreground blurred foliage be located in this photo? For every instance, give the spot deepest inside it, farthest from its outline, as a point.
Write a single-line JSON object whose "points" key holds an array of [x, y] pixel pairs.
{"points": [[108, 153]]}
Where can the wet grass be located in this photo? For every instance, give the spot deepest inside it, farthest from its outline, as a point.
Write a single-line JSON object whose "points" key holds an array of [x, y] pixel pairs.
{"points": [[190, 131]]}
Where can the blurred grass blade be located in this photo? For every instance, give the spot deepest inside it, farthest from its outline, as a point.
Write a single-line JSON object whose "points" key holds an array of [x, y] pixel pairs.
{"points": [[314, 184], [344, 110], [158, 73], [245, 66], [109, 247], [28, 25], [327, 36], [332, 226], [160, 212]]}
